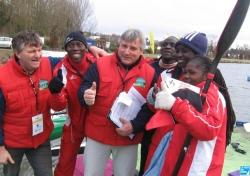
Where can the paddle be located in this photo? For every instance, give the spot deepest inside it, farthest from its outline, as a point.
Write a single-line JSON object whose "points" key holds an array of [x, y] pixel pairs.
{"points": [[226, 39], [227, 36]]}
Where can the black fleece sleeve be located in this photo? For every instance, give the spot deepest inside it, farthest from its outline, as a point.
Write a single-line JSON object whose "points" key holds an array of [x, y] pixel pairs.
{"points": [[141, 119]]}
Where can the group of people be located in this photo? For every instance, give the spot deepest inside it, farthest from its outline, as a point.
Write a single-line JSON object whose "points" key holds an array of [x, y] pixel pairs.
{"points": [[88, 86]]}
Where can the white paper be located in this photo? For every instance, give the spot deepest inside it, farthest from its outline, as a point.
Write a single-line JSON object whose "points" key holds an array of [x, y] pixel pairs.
{"points": [[174, 84], [127, 106]]}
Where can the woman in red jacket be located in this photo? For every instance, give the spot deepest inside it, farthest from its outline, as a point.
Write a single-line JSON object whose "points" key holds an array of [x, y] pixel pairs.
{"points": [[205, 154]]}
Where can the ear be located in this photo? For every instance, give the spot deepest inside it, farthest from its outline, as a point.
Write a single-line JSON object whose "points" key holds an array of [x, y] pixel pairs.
{"points": [[16, 53]]}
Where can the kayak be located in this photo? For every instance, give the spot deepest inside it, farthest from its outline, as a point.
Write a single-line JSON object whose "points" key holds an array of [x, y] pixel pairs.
{"points": [[58, 121]]}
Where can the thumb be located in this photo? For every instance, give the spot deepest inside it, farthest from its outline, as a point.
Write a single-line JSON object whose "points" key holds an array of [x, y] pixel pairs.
{"points": [[59, 74], [93, 87], [164, 86], [123, 121]]}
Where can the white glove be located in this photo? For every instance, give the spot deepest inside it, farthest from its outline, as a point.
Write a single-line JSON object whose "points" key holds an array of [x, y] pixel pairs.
{"points": [[164, 99]]}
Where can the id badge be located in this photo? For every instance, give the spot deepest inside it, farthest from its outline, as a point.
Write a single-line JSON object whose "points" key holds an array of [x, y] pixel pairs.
{"points": [[37, 124]]}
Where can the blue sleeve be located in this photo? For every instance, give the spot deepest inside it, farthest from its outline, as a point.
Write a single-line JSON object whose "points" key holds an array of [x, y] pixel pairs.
{"points": [[54, 61], [91, 76], [2, 109]]}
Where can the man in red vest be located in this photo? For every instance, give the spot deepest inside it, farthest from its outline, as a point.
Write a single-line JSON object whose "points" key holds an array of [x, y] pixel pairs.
{"points": [[111, 78], [25, 121]]}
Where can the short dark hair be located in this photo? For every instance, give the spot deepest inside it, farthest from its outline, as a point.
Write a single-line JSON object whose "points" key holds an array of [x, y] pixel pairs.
{"points": [[26, 38]]}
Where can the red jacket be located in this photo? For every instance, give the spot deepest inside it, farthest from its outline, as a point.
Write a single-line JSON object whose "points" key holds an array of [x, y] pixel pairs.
{"points": [[22, 104], [113, 80], [205, 154], [73, 76]]}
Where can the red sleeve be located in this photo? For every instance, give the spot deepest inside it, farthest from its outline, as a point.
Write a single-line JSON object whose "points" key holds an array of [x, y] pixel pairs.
{"points": [[58, 101], [205, 125]]}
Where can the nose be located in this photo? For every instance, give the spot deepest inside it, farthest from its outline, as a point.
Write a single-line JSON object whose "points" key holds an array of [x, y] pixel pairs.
{"points": [[38, 54]]}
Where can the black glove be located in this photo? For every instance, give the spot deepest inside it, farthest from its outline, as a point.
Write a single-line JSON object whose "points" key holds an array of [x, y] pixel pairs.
{"points": [[56, 85], [193, 98]]}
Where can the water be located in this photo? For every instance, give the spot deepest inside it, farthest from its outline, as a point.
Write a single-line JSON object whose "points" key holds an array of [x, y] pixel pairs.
{"points": [[239, 89]]}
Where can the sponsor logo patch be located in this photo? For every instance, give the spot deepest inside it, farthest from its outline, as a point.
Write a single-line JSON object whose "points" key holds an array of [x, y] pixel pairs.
{"points": [[140, 82], [43, 84]]}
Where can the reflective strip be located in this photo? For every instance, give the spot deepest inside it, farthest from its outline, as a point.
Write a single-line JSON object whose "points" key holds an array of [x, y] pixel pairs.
{"points": [[64, 73]]}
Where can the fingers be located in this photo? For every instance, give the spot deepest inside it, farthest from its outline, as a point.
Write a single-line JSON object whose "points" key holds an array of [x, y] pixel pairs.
{"points": [[11, 160]]}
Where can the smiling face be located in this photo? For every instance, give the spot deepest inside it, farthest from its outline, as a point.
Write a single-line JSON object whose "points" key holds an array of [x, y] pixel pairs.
{"points": [[194, 72], [29, 57], [184, 55], [129, 51], [168, 50], [75, 50]]}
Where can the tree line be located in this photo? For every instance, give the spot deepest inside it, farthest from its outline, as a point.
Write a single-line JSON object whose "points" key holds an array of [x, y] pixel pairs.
{"points": [[53, 19]]}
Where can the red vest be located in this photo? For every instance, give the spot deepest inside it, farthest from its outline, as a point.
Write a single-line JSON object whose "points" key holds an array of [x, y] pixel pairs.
{"points": [[22, 104], [113, 79]]}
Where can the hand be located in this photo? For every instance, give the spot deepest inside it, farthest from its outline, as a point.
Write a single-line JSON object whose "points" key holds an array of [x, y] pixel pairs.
{"points": [[89, 95], [5, 156], [56, 85], [126, 128], [164, 99], [97, 52]]}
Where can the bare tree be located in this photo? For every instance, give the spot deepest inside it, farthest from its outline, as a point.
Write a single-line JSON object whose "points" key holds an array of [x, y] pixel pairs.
{"points": [[52, 18]]}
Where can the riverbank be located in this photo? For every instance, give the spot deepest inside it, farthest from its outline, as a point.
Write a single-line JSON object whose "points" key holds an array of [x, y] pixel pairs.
{"points": [[6, 53]]}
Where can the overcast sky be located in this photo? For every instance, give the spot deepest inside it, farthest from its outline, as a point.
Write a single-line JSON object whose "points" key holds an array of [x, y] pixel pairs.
{"points": [[168, 17]]}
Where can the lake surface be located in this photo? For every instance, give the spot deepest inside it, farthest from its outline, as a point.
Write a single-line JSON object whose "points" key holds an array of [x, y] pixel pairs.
{"points": [[239, 89]]}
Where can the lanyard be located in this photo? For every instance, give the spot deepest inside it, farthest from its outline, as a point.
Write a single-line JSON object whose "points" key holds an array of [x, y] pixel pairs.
{"points": [[34, 91]]}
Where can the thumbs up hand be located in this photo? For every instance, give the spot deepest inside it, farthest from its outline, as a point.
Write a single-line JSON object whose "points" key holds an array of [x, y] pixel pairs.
{"points": [[56, 85], [89, 95], [164, 99]]}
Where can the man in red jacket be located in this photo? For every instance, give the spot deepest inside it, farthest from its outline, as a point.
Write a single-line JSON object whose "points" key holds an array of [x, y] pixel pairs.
{"points": [[109, 78], [25, 122], [63, 87]]}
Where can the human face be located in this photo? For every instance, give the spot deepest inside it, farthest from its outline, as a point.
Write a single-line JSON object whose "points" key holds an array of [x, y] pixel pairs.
{"points": [[129, 51], [168, 51], [193, 73], [75, 50], [183, 55], [30, 57]]}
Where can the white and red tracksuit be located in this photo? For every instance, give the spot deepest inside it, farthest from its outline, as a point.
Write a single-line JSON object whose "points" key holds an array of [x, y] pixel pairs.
{"points": [[73, 130], [205, 155]]}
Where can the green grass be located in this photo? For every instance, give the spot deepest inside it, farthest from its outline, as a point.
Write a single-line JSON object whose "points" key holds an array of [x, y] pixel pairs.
{"points": [[233, 159]]}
